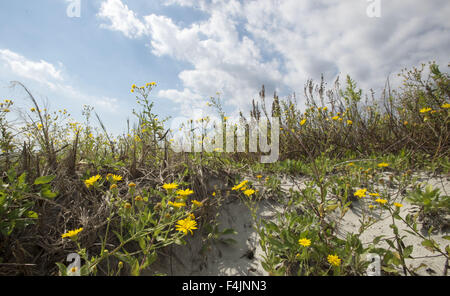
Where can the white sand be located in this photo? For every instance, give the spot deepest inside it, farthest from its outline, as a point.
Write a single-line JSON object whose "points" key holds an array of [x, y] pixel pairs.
{"points": [[230, 260]]}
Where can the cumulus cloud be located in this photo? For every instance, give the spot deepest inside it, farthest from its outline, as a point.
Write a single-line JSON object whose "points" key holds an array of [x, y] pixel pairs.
{"points": [[41, 71], [244, 44], [122, 19]]}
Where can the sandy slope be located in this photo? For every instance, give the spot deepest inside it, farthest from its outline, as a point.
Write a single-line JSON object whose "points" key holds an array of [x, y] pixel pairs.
{"points": [[224, 260]]}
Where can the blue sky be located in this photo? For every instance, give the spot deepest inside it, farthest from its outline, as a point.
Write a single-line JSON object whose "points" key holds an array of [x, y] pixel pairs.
{"points": [[194, 49]]}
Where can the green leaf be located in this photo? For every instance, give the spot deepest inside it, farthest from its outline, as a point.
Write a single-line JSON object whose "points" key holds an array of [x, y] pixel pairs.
{"points": [[331, 208], [21, 180], [32, 214], [85, 270], [142, 243], [44, 180], [135, 268], [150, 259], [48, 193], [390, 243], [229, 231], [62, 269], [229, 241], [429, 245], [408, 251], [447, 237], [389, 269], [2, 199]]}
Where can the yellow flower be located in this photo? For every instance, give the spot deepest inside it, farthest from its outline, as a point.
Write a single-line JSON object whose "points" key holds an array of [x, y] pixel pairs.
{"points": [[72, 233], [249, 192], [334, 260], [170, 186], [259, 176], [303, 122], [325, 108], [349, 122], [360, 192], [186, 225], [197, 203], [372, 207], [374, 194], [113, 186], [383, 165], [240, 185], [39, 126], [127, 205], [405, 122], [132, 185], [91, 181], [33, 109], [381, 201], [398, 205], [185, 192], [176, 204], [304, 242], [192, 216], [214, 194], [138, 198], [116, 178], [133, 86], [425, 110], [335, 117], [446, 106]]}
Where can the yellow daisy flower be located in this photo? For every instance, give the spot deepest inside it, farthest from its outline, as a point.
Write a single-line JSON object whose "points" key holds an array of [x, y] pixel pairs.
{"points": [[249, 192], [360, 192], [197, 203], [72, 233], [186, 225], [334, 260], [304, 242], [185, 192], [91, 181], [170, 186], [381, 201], [240, 185]]}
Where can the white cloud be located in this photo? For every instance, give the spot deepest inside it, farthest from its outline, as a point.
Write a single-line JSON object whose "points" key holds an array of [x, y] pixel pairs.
{"points": [[51, 76], [41, 71], [282, 43], [122, 19]]}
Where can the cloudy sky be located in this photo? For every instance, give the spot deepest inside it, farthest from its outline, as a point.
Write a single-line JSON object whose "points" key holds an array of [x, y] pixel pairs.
{"points": [[194, 49]]}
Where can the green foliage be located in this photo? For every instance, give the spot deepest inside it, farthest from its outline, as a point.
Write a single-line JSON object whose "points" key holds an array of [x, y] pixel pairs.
{"points": [[430, 200]]}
